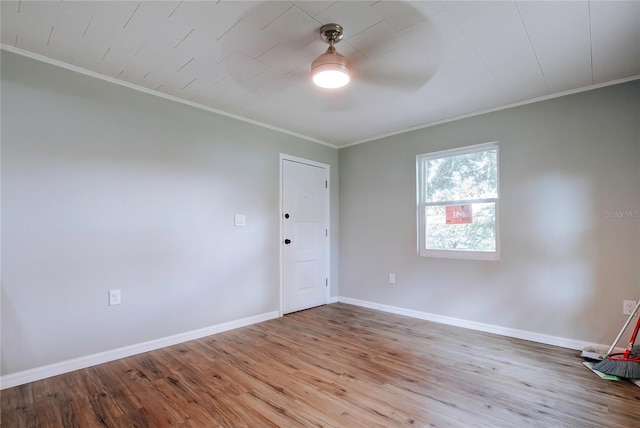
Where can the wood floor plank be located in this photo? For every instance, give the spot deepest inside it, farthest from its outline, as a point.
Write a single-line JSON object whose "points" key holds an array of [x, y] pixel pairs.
{"points": [[333, 366]]}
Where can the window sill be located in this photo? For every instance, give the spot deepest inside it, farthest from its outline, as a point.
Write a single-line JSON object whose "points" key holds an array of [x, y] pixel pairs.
{"points": [[461, 254]]}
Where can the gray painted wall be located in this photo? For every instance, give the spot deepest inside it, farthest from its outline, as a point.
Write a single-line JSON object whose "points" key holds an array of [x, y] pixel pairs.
{"points": [[568, 166], [105, 187]]}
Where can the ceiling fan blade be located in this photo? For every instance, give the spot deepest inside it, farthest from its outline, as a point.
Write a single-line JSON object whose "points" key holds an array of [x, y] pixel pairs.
{"points": [[338, 101], [401, 69], [405, 80]]}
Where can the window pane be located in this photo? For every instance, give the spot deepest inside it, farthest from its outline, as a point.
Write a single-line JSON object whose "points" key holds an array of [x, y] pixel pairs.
{"points": [[475, 233], [462, 177]]}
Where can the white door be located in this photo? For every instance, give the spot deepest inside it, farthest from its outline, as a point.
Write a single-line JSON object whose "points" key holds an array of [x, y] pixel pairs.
{"points": [[305, 234]]}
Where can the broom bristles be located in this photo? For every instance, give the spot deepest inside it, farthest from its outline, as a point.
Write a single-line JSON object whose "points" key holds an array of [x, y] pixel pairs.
{"points": [[625, 369]]}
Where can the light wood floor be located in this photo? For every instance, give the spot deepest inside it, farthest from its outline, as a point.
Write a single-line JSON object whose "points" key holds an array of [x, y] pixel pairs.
{"points": [[338, 366]]}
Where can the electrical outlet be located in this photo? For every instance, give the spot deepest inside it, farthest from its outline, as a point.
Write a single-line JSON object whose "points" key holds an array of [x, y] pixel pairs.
{"points": [[114, 297], [239, 220], [628, 306]]}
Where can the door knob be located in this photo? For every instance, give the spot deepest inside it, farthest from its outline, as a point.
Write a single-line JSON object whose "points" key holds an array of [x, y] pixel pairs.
{"points": [[287, 241], [286, 215]]}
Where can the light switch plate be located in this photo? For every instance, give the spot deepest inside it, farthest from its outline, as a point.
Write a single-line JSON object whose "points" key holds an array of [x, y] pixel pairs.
{"points": [[239, 220]]}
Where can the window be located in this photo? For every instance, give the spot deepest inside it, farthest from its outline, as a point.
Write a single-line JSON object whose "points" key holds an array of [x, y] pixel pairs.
{"points": [[458, 203]]}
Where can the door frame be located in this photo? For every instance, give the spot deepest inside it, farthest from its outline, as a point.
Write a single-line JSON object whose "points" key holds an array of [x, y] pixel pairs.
{"points": [[327, 249]]}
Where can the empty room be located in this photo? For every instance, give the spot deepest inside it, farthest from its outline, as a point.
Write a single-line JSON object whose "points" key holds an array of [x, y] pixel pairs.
{"points": [[320, 213]]}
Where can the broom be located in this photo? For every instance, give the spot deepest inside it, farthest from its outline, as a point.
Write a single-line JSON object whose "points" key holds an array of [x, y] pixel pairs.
{"points": [[626, 364]]}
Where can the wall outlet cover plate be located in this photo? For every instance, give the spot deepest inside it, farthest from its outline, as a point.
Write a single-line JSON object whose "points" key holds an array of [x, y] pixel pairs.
{"points": [[239, 220]]}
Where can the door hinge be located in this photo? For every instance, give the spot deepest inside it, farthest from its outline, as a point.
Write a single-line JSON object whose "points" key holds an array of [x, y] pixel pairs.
{"points": [[326, 184], [326, 232], [326, 282]]}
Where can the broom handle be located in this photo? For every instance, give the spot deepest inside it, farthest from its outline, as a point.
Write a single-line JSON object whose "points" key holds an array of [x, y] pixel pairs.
{"points": [[633, 339], [624, 328]]}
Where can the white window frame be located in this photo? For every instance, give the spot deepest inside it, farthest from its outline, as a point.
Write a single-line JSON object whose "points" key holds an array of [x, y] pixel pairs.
{"points": [[422, 204]]}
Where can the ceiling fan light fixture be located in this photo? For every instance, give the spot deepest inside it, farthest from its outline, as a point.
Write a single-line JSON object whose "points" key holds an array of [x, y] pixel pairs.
{"points": [[331, 70]]}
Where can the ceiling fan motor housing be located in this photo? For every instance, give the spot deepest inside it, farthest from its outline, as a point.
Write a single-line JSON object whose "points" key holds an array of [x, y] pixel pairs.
{"points": [[328, 59]]}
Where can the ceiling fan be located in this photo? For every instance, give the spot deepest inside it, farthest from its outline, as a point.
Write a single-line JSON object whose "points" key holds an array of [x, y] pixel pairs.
{"points": [[376, 69], [331, 70]]}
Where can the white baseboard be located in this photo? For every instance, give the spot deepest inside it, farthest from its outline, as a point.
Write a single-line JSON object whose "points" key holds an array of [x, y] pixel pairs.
{"points": [[20, 378], [562, 342]]}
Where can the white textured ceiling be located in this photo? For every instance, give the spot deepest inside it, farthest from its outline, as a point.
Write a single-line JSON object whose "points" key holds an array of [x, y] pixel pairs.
{"points": [[416, 63]]}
